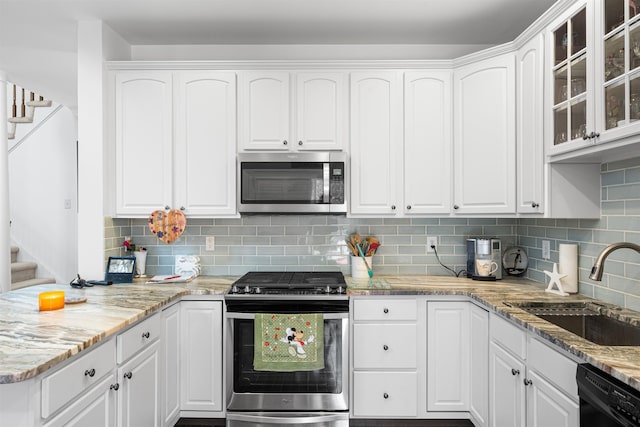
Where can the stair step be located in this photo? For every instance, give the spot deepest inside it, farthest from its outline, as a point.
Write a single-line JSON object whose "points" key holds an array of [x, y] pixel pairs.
{"points": [[43, 103], [14, 253], [20, 119], [23, 271], [31, 282]]}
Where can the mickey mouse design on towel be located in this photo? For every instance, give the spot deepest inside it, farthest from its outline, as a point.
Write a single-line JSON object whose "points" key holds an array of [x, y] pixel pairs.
{"points": [[295, 339]]}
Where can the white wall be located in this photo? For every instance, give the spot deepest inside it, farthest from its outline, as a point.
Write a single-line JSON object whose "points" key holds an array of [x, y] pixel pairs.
{"points": [[42, 175]]}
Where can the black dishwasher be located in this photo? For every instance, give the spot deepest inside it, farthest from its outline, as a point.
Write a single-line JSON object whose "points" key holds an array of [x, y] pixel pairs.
{"points": [[606, 401]]}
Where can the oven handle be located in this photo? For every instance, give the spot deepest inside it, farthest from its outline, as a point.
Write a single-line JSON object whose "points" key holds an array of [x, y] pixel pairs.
{"points": [[251, 316], [294, 418]]}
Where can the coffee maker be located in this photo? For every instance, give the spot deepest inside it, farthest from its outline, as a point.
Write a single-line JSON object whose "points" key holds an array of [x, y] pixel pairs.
{"points": [[484, 258]]}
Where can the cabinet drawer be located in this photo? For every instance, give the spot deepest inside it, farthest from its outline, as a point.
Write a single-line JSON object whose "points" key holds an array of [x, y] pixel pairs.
{"points": [[557, 368], [138, 337], [384, 309], [508, 336], [63, 385], [385, 394], [384, 346]]}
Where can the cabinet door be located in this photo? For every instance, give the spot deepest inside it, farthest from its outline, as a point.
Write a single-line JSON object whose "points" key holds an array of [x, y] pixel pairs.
{"points": [[139, 393], [506, 388], [264, 120], [479, 375], [320, 111], [448, 348], [96, 407], [427, 142], [170, 373], [530, 143], [205, 142], [484, 147], [201, 356], [376, 142], [143, 141], [548, 406]]}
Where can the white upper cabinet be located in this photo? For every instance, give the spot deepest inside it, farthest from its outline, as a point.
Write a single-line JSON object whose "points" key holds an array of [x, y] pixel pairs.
{"points": [[175, 142], [484, 135], [143, 142], [427, 171], [376, 142], [271, 120], [205, 142], [529, 142]]}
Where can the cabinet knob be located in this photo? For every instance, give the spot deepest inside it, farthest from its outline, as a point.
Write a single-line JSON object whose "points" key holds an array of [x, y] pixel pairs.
{"points": [[89, 372], [527, 381], [535, 205], [146, 334], [386, 395], [182, 208], [385, 310], [408, 207], [385, 347], [166, 207], [128, 375], [456, 207], [299, 142], [393, 207], [515, 372], [284, 142], [115, 386]]}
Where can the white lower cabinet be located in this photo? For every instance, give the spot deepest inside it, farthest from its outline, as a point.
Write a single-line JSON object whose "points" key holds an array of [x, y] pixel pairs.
{"points": [[530, 384], [385, 365], [201, 356], [170, 367], [138, 396]]}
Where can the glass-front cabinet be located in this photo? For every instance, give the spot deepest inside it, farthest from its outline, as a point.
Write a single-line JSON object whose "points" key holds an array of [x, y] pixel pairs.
{"points": [[594, 91], [571, 57]]}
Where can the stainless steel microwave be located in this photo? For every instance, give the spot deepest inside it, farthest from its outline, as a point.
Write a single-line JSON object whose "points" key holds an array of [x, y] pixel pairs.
{"points": [[292, 182]]}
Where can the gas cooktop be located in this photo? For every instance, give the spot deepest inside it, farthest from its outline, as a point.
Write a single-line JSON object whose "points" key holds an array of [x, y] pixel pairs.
{"points": [[323, 283]]}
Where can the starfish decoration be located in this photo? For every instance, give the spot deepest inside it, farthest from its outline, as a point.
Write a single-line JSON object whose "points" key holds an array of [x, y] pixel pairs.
{"points": [[555, 278]]}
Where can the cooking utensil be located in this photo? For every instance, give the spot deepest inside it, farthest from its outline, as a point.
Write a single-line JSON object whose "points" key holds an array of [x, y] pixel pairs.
{"points": [[369, 270]]}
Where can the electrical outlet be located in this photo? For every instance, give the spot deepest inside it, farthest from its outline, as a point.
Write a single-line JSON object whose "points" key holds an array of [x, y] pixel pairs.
{"points": [[210, 243], [546, 249], [431, 241]]}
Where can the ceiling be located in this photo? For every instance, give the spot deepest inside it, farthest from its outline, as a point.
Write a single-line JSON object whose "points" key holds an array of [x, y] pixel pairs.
{"points": [[47, 28]]}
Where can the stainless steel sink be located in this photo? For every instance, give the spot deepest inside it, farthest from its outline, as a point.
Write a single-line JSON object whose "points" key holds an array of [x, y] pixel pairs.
{"points": [[591, 321]]}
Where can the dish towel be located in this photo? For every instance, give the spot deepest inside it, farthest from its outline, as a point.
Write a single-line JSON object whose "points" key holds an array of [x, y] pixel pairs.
{"points": [[288, 342]]}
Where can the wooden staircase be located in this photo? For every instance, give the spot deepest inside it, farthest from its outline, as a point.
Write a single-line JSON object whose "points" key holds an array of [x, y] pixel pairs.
{"points": [[23, 274]]}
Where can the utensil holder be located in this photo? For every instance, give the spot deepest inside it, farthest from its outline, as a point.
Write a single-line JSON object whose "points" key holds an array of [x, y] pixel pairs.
{"points": [[358, 267], [141, 262]]}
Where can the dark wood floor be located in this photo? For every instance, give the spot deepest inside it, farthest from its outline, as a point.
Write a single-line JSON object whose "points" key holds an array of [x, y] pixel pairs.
{"points": [[207, 422]]}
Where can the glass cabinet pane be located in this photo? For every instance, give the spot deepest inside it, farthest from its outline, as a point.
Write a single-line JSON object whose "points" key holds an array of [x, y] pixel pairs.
{"points": [[579, 32], [578, 76], [560, 88], [634, 98], [613, 14], [634, 47], [614, 105], [561, 44], [578, 119], [614, 56], [560, 126]]}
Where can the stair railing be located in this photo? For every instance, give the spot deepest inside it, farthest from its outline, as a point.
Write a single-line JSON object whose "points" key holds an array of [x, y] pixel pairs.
{"points": [[27, 109]]}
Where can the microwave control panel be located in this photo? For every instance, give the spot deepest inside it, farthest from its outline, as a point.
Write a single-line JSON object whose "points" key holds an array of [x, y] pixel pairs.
{"points": [[336, 183]]}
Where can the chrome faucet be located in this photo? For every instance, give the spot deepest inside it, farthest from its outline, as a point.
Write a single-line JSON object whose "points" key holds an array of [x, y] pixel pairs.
{"points": [[596, 270]]}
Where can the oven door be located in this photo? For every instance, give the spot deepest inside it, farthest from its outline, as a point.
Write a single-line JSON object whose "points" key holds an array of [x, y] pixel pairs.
{"points": [[320, 390]]}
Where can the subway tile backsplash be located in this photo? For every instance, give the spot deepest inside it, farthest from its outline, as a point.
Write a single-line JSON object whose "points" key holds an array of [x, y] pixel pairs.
{"points": [[303, 242]]}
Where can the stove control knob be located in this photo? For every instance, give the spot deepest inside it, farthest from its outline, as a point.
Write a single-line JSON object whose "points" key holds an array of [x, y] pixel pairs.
{"points": [[247, 289], [257, 290], [327, 290], [340, 289], [234, 289]]}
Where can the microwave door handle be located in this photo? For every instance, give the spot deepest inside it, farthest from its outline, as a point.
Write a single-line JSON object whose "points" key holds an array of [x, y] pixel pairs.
{"points": [[325, 179]]}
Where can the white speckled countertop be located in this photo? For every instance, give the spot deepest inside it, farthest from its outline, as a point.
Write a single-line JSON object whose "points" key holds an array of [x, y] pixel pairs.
{"points": [[32, 342]]}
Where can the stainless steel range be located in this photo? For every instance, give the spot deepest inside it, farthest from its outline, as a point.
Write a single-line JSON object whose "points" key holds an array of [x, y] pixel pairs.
{"points": [[287, 390]]}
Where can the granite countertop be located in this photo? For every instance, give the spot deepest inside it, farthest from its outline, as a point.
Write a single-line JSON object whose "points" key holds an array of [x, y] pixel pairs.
{"points": [[32, 342]]}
